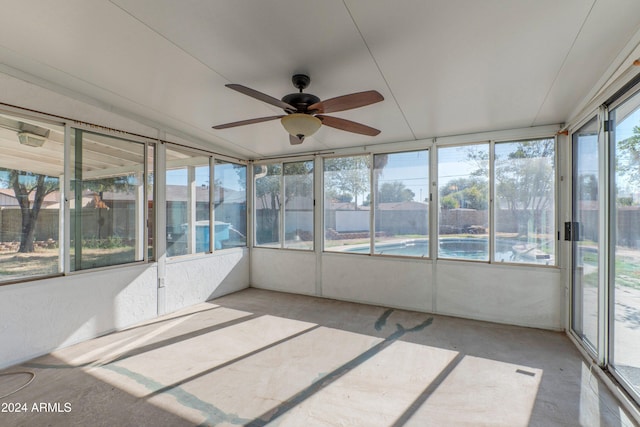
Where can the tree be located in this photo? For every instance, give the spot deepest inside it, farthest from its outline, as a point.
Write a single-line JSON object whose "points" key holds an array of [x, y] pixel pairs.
{"points": [[343, 198], [30, 190], [524, 181], [395, 191], [24, 184], [267, 190], [628, 157], [449, 202], [348, 175], [624, 201], [98, 187], [470, 193], [587, 187], [298, 182]]}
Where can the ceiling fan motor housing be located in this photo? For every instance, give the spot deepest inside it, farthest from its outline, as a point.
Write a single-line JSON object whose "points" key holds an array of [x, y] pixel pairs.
{"points": [[300, 81], [301, 100]]}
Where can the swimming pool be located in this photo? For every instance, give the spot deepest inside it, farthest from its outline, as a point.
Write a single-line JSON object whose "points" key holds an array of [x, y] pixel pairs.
{"points": [[455, 248]]}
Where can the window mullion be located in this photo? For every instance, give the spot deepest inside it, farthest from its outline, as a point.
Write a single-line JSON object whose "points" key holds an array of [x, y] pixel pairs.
{"points": [[283, 197], [212, 201], [373, 183], [607, 206], [191, 209], [65, 229], [492, 225], [434, 212], [145, 204]]}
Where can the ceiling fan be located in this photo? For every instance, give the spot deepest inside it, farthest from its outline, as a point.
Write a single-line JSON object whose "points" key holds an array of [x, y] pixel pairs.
{"points": [[305, 112]]}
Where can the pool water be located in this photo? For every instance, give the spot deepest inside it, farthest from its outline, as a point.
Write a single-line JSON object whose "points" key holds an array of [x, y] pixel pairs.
{"points": [[455, 248]]}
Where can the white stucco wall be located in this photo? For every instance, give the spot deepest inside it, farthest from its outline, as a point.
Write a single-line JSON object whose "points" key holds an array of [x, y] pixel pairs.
{"points": [[284, 270], [394, 282], [510, 294], [517, 295], [37, 317], [194, 279]]}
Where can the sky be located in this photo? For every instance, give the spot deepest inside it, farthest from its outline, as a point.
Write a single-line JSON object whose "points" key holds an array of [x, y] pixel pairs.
{"points": [[225, 173], [412, 169]]}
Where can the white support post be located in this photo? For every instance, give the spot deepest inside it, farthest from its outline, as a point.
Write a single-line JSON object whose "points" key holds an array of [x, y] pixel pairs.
{"points": [[62, 224], [250, 216], [64, 230], [281, 212], [140, 207], [160, 209], [604, 247], [318, 221], [373, 184], [191, 209], [492, 202], [212, 201], [434, 230]]}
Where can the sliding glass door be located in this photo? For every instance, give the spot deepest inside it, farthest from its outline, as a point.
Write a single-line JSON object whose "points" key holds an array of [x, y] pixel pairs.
{"points": [[584, 232], [624, 340], [605, 235]]}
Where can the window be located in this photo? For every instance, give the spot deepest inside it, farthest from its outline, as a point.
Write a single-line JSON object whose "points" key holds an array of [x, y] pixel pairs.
{"points": [[298, 206], [188, 207], [347, 188], [525, 201], [111, 200], [284, 205], [31, 175], [267, 204], [401, 198], [230, 205], [109, 203], [463, 179]]}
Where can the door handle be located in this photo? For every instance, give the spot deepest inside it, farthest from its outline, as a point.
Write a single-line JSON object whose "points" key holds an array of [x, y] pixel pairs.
{"points": [[572, 231]]}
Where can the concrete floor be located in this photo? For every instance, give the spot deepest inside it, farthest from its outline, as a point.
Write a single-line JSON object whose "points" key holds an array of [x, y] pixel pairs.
{"points": [[264, 358]]}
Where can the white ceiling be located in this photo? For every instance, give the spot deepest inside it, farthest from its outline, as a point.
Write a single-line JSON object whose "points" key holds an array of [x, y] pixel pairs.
{"points": [[445, 67]]}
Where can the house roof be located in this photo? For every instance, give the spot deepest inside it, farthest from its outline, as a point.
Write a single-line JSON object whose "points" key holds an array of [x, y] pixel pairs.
{"points": [[306, 204], [175, 193], [8, 198]]}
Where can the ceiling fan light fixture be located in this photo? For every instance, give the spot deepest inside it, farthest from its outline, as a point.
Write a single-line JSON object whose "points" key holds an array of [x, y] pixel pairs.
{"points": [[300, 124]]}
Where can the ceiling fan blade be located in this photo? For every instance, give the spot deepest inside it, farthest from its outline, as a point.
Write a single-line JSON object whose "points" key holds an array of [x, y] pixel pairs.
{"points": [[348, 125], [261, 96], [247, 122], [294, 140], [347, 102]]}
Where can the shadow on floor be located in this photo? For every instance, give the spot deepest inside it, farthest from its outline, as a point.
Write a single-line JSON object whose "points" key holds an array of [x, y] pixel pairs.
{"points": [[259, 358]]}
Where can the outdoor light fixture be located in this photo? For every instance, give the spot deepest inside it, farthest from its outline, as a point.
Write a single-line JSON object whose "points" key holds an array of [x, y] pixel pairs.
{"points": [[31, 139], [301, 125]]}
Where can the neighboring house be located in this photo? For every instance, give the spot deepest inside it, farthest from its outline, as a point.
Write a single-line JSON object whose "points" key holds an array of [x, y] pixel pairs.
{"points": [[113, 212], [8, 199]]}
